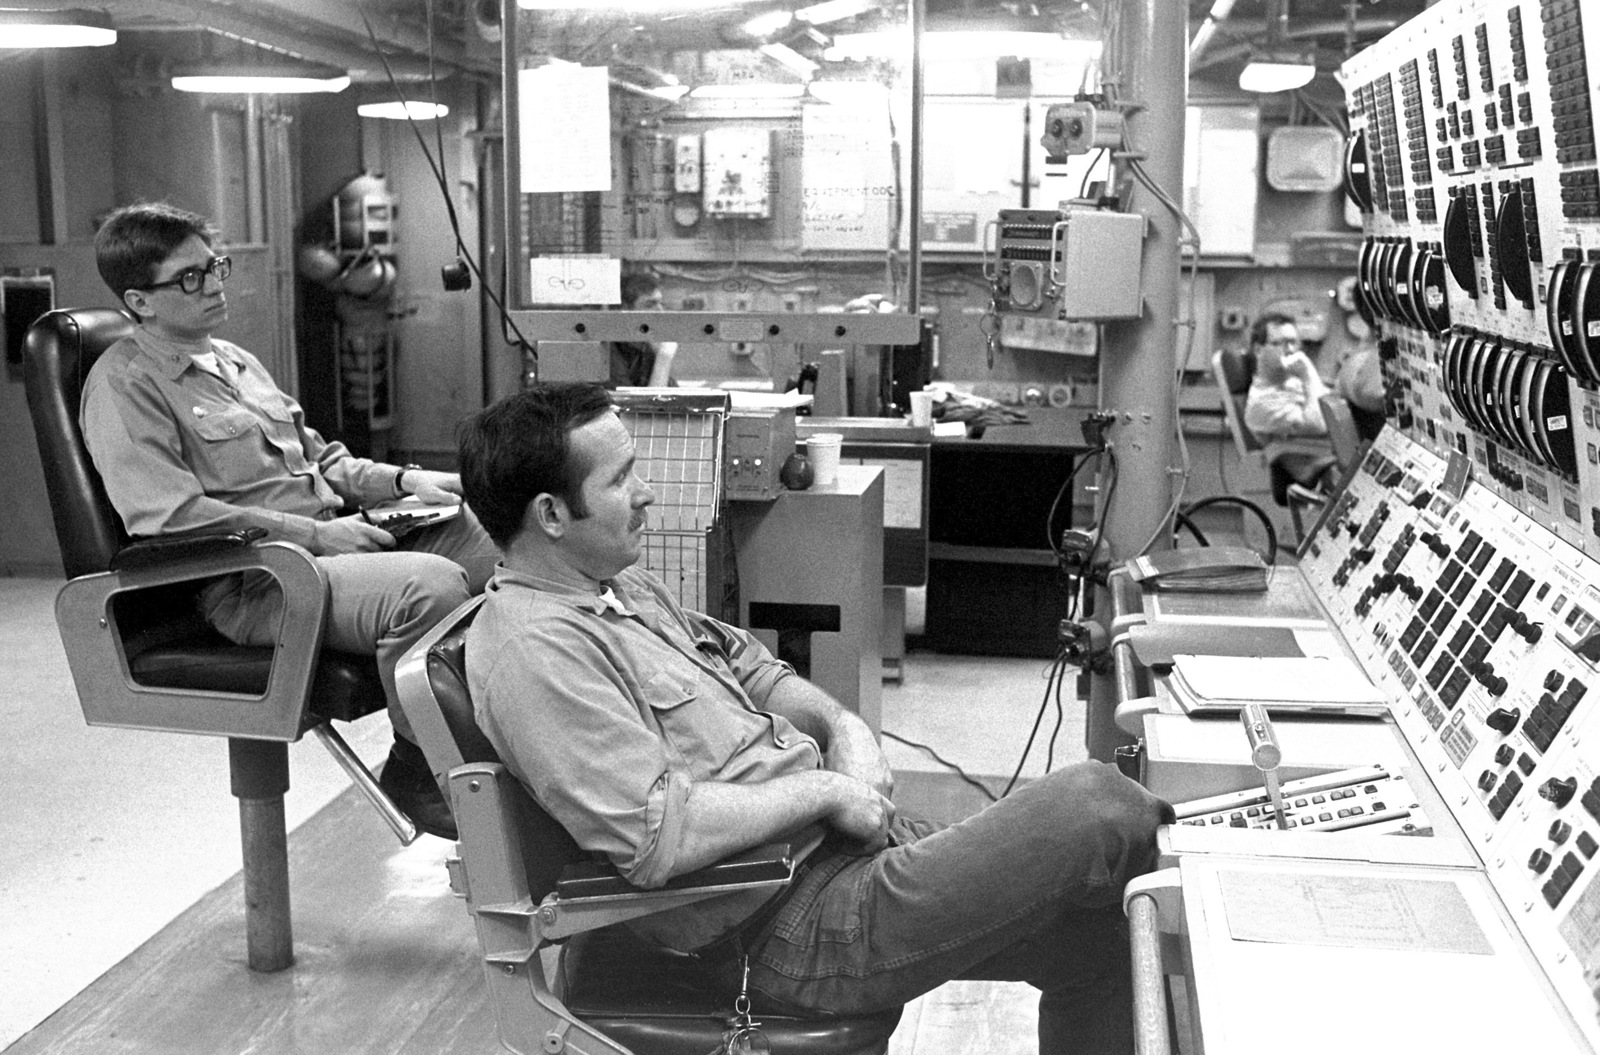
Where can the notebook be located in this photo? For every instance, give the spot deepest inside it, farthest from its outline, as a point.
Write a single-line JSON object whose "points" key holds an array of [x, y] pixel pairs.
{"points": [[1285, 684]]}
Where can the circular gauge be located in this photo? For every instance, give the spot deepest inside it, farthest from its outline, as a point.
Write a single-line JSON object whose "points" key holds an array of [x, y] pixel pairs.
{"points": [[1511, 235], [1458, 244], [1585, 340], [1497, 392], [1558, 314], [686, 211], [1364, 300], [1357, 179], [1477, 377], [1554, 412], [1537, 377], [1516, 404], [1384, 282], [1454, 352], [1400, 266], [1431, 295]]}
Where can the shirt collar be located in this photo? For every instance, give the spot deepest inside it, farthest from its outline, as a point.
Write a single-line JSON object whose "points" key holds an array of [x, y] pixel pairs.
{"points": [[172, 357], [587, 595]]}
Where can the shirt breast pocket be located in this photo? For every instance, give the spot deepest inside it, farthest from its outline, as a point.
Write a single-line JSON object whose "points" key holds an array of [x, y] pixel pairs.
{"points": [[227, 445], [692, 720]]}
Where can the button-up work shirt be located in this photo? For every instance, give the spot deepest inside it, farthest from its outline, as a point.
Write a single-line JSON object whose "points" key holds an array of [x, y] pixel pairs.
{"points": [[608, 709], [182, 449]]}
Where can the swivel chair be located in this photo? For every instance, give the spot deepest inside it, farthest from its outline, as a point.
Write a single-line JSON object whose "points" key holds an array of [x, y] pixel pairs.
{"points": [[142, 658], [1233, 371], [532, 892]]}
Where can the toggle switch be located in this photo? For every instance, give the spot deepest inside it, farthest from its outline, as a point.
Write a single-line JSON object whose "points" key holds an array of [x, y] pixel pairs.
{"points": [[1502, 720]]}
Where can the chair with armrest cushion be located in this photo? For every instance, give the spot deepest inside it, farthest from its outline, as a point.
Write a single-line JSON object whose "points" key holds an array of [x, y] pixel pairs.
{"points": [[531, 889], [142, 657]]}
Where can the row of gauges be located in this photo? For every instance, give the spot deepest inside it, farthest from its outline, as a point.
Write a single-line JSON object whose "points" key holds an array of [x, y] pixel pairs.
{"points": [[1513, 394], [1403, 282], [1514, 239], [1572, 313]]}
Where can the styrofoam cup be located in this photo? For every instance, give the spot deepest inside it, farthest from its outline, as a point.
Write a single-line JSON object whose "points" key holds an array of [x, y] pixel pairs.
{"points": [[823, 450], [922, 409]]}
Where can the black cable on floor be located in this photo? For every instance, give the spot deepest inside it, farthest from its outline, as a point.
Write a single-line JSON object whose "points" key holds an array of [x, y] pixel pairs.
{"points": [[1056, 668], [963, 774]]}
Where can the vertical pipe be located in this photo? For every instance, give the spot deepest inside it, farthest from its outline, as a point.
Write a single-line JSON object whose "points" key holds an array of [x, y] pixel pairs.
{"points": [[919, 13], [1139, 357], [511, 110]]}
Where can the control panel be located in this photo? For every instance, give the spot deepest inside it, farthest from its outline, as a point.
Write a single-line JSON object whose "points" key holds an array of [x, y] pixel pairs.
{"points": [[1370, 798], [1484, 628]]}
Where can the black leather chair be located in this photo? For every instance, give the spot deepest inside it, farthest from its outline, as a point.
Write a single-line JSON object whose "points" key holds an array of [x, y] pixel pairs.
{"points": [[1233, 371], [141, 657], [530, 890]]}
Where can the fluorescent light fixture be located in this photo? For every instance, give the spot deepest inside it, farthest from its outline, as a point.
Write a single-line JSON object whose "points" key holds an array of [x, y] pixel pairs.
{"points": [[833, 11], [1277, 73], [748, 91], [786, 56], [55, 29], [962, 44], [407, 110], [250, 78], [765, 25], [637, 7]]}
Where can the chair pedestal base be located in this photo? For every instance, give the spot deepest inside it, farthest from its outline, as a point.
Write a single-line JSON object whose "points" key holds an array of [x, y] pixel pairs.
{"points": [[259, 775]]}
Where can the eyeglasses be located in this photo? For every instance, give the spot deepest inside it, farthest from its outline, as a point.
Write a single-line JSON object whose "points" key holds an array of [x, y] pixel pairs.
{"points": [[1283, 342], [191, 279]]}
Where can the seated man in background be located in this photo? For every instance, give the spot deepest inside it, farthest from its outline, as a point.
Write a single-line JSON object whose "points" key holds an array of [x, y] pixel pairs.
{"points": [[1360, 382], [640, 363], [189, 433], [669, 740], [1282, 407]]}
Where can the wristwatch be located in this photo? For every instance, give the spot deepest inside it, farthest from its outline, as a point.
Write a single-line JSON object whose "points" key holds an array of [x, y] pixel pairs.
{"points": [[401, 492]]}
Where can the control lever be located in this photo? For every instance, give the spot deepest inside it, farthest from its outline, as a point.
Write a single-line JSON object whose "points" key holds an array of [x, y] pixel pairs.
{"points": [[1265, 754]]}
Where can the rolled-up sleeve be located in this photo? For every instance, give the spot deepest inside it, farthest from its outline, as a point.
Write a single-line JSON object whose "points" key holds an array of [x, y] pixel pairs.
{"points": [[611, 781]]}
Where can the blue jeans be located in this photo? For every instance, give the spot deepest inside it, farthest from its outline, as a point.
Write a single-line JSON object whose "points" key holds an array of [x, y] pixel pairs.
{"points": [[1027, 890]]}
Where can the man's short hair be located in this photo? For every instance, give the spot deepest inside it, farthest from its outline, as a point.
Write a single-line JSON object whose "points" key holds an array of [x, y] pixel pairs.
{"points": [[638, 284], [520, 448], [135, 239], [1258, 331]]}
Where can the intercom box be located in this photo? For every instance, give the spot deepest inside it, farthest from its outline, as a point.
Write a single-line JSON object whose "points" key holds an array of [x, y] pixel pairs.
{"points": [[757, 443], [1072, 263]]}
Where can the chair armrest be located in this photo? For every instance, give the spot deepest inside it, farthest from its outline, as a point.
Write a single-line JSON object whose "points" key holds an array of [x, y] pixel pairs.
{"points": [[769, 862], [144, 554], [87, 620]]}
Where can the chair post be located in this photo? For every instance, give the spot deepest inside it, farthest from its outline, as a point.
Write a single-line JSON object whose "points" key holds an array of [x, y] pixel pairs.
{"points": [[258, 773]]}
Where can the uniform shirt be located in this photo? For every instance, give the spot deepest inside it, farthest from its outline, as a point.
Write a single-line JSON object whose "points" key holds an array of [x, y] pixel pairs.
{"points": [[1287, 418], [183, 449], [608, 708]]}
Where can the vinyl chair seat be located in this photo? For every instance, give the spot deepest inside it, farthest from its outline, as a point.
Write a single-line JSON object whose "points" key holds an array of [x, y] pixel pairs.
{"points": [[345, 687], [661, 1002]]}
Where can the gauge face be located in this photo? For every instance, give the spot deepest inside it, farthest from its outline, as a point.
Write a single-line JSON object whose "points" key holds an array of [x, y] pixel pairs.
{"points": [[686, 212], [1585, 339], [1454, 352], [1400, 274], [1431, 297], [1533, 407], [1497, 391], [1458, 243], [1518, 381], [1555, 415], [1477, 372], [1511, 236], [1357, 180], [1558, 314]]}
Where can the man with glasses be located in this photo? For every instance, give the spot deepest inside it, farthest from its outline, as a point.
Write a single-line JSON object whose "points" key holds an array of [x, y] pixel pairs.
{"points": [[190, 433], [1282, 408]]}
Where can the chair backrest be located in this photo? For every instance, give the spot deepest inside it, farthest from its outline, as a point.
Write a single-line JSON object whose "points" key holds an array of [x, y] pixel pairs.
{"points": [[440, 708], [1234, 370], [1342, 431], [58, 353]]}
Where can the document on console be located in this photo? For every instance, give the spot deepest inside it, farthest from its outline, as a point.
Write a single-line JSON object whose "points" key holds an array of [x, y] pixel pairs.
{"points": [[1352, 912]]}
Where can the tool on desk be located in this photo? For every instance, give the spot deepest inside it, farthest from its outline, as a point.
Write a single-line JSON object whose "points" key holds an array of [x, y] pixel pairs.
{"points": [[1265, 754]]}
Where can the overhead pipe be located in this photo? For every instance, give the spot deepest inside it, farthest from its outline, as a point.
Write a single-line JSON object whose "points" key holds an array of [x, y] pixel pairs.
{"points": [[1215, 17]]}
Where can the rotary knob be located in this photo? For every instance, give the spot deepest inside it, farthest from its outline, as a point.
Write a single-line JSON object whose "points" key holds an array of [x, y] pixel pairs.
{"points": [[1560, 830], [1539, 860], [1503, 720], [1504, 754], [1486, 780], [1559, 790], [1439, 546]]}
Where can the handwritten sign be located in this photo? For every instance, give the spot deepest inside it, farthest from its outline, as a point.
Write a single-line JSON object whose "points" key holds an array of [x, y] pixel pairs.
{"points": [[575, 280]]}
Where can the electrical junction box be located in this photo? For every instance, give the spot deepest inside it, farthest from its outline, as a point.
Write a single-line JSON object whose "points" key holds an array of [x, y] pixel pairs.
{"points": [[738, 172], [1077, 128], [756, 444], [1071, 263], [686, 165]]}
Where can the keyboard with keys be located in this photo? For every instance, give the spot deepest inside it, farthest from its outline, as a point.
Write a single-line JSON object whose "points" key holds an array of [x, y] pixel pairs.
{"points": [[1368, 797]]}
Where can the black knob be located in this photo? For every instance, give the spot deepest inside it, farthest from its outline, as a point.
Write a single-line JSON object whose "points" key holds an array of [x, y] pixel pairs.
{"points": [[1409, 587], [1362, 555], [1553, 680], [1496, 685], [1531, 632], [1559, 790], [1439, 546], [1539, 860], [1504, 754], [1559, 831], [1503, 721], [1486, 780]]}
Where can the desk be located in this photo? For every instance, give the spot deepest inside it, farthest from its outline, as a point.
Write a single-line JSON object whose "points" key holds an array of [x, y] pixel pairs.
{"points": [[993, 588]]}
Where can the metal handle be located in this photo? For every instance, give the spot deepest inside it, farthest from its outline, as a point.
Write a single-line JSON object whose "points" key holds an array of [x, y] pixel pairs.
{"points": [[1265, 754], [1150, 1036]]}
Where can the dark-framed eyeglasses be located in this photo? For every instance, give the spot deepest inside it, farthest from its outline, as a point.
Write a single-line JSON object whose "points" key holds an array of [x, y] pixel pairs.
{"points": [[1283, 342], [191, 279]]}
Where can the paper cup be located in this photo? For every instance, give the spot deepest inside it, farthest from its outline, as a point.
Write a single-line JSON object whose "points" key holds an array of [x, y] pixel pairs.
{"points": [[823, 450], [922, 409]]}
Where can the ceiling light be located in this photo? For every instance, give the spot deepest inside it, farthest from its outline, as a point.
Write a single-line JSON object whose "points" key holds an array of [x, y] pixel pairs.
{"points": [[749, 91], [55, 29], [970, 44], [252, 78], [1277, 73], [786, 56], [834, 11], [403, 110]]}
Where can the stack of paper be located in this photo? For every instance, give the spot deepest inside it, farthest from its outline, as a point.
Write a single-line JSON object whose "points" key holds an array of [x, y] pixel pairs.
{"points": [[1210, 569], [1325, 684]]}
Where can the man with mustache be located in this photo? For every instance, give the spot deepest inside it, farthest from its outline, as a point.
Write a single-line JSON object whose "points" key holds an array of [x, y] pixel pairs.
{"points": [[669, 740], [190, 433]]}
